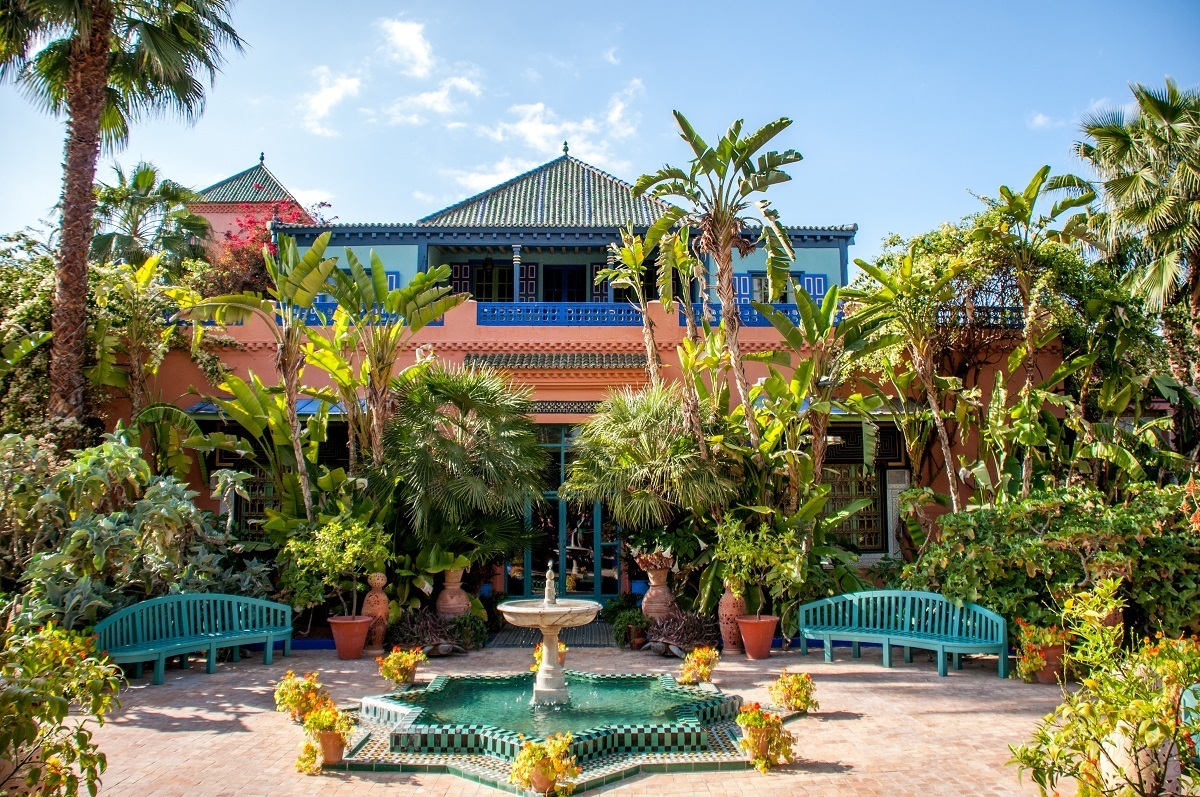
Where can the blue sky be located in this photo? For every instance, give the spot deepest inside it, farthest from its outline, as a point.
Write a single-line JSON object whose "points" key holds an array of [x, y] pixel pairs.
{"points": [[390, 111]]}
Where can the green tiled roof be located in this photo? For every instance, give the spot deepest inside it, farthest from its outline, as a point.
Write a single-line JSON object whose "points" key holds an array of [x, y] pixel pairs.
{"points": [[566, 192], [256, 184], [564, 360]]}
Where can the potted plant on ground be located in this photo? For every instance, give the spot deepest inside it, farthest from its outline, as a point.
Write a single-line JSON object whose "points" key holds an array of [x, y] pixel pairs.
{"points": [[698, 666], [659, 600], [793, 691], [330, 729], [764, 738], [546, 767], [629, 628], [330, 561], [299, 695], [537, 656], [747, 552], [1040, 652], [400, 666]]}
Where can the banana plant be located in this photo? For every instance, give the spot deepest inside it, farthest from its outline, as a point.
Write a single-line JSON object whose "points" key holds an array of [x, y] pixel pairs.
{"points": [[334, 354], [17, 350], [297, 279], [629, 272], [384, 320]]}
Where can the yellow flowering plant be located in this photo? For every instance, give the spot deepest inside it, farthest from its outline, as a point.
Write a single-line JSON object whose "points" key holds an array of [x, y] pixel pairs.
{"points": [[400, 666], [325, 717], [537, 656], [698, 665], [764, 738], [794, 691], [551, 760], [299, 695]]}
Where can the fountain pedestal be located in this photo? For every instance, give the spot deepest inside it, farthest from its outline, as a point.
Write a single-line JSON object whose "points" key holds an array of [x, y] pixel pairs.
{"points": [[550, 615]]}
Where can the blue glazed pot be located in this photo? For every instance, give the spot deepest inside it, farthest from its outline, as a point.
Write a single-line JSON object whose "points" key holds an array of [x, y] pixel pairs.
{"points": [[485, 590], [639, 586]]}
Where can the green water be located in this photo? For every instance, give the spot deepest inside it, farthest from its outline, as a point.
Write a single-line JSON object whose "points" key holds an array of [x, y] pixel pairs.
{"points": [[505, 704]]}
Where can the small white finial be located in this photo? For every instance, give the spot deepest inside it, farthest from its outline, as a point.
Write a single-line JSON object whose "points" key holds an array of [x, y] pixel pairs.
{"points": [[550, 595], [262, 156], [566, 149]]}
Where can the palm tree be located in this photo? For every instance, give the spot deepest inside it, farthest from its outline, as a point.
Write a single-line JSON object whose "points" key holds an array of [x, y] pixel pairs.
{"points": [[629, 272], [462, 459], [909, 301], [383, 321], [103, 64], [718, 186], [638, 455], [141, 214], [1148, 165], [298, 280]]}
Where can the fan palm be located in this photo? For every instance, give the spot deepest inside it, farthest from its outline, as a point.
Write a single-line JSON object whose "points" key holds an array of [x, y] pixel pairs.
{"points": [[638, 455], [719, 186], [141, 214], [462, 458], [1148, 165], [103, 64]]}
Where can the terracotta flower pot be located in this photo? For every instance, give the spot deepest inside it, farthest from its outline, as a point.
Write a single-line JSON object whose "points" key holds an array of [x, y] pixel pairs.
{"points": [[1052, 670], [728, 610], [453, 601], [333, 747], [758, 632], [659, 602], [375, 604], [542, 779], [760, 741], [637, 637], [350, 635]]}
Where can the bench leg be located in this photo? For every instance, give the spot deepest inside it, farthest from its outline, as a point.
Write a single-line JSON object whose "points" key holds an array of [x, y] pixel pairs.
{"points": [[941, 657], [185, 663], [211, 667], [887, 653], [1002, 665], [237, 653], [287, 646], [857, 651], [160, 670], [828, 648], [958, 661], [269, 651], [907, 655], [803, 644], [137, 670]]}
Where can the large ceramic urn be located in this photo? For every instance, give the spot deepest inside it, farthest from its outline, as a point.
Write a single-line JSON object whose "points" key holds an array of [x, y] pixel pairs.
{"points": [[375, 605], [453, 600], [729, 609], [659, 601]]}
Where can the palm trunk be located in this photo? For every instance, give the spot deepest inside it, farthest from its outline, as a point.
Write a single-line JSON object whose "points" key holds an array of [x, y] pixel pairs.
{"points": [[1194, 307], [1030, 355], [377, 406], [732, 320], [289, 367], [818, 425], [691, 397], [86, 91], [935, 410]]}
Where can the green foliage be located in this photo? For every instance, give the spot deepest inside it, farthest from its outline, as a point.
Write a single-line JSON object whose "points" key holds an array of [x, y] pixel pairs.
{"points": [[142, 214], [470, 630], [614, 606], [329, 561], [1123, 731], [53, 687], [621, 622], [1022, 559]]}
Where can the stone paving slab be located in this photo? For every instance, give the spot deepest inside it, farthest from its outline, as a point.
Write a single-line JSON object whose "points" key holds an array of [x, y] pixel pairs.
{"points": [[896, 732]]}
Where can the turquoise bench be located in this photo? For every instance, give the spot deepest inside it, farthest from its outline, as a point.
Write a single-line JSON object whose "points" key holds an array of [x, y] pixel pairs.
{"points": [[910, 619], [178, 625], [1190, 714]]}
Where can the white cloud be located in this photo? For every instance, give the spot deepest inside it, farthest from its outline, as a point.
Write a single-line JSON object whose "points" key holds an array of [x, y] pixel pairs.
{"points": [[406, 44], [421, 196], [539, 128], [487, 176], [331, 90], [610, 55], [455, 125], [444, 100], [1040, 121], [311, 196], [532, 74]]}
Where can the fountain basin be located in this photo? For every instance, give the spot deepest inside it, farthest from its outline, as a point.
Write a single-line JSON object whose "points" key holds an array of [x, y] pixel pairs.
{"points": [[563, 613], [608, 715]]}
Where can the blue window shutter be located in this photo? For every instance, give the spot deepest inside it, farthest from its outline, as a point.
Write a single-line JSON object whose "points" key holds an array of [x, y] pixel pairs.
{"points": [[741, 287]]}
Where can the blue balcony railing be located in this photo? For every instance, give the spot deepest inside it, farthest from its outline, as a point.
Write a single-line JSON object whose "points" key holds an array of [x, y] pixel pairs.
{"points": [[557, 314], [746, 313]]}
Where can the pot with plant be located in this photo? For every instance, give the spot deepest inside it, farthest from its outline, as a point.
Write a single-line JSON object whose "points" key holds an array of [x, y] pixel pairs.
{"points": [[299, 695], [764, 738], [329, 561], [330, 728], [1041, 652], [794, 691], [400, 666], [546, 767], [659, 600], [747, 551], [698, 666], [731, 606], [538, 653]]}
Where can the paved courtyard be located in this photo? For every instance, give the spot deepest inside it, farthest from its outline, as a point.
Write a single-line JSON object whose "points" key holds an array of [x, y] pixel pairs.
{"points": [[893, 732]]}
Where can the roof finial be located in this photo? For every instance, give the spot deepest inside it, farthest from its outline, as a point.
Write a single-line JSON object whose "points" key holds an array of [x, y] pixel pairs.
{"points": [[566, 149], [262, 156]]}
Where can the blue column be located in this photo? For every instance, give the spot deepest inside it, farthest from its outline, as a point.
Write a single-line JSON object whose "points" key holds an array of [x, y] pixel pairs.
{"points": [[516, 261]]}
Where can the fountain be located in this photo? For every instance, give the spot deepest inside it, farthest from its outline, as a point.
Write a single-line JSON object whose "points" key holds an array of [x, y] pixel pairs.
{"points": [[551, 615]]}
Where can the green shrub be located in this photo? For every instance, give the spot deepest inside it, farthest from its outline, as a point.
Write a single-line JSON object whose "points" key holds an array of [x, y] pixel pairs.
{"points": [[471, 631], [621, 622], [1024, 559], [617, 605]]}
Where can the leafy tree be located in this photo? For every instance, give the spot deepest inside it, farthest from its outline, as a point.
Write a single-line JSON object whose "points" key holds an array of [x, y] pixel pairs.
{"points": [[238, 263], [1148, 166], [629, 273], [103, 64], [141, 214], [384, 320], [719, 186], [297, 279]]}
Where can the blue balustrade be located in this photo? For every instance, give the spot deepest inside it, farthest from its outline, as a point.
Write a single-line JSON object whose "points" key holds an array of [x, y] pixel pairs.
{"points": [[557, 314], [749, 316]]}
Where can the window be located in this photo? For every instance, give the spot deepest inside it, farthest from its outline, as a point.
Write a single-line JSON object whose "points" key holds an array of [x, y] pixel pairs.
{"points": [[492, 282], [813, 283], [760, 293]]}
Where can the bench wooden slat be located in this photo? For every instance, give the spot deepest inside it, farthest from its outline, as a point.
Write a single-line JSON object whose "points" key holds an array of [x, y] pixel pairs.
{"points": [[179, 624], [907, 618]]}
